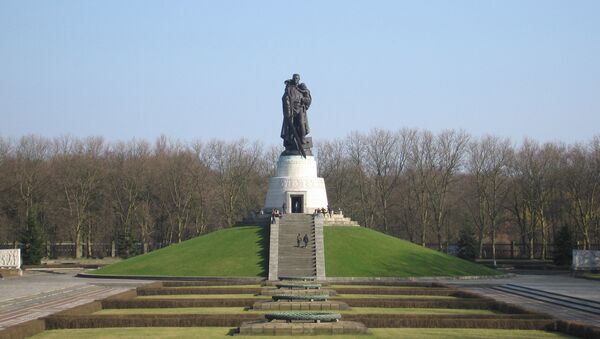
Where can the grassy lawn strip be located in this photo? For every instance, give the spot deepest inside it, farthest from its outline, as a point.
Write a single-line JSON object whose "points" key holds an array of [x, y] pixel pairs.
{"points": [[203, 296], [223, 332], [361, 252], [377, 286], [594, 276], [390, 296], [262, 297], [236, 251], [238, 310]]}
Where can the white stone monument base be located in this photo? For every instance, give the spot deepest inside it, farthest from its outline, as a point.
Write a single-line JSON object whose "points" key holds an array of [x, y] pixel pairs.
{"points": [[296, 182], [10, 262]]}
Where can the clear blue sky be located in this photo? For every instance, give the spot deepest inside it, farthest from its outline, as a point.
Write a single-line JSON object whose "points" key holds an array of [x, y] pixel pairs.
{"points": [[202, 70]]}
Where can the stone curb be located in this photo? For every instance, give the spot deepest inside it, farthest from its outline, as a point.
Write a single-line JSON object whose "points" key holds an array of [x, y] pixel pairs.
{"points": [[402, 279], [151, 277], [331, 279]]}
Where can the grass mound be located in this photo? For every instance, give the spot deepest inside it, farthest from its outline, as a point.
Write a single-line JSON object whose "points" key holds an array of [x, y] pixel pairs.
{"points": [[237, 251], [361, 252]]}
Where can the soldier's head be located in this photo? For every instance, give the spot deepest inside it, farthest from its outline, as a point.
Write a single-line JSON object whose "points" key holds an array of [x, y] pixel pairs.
{"points": [[296, 79]]}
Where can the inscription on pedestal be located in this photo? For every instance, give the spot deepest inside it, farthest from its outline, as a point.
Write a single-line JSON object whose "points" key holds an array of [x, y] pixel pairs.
{"points": [[297, 183]]}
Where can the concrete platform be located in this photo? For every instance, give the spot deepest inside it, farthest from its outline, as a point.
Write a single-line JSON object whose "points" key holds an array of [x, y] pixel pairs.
{"points": [[284, 328]]}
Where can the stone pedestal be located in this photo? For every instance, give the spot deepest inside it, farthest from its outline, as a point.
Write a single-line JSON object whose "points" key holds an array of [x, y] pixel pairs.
{"points": [[10, 262], [296, 185]]}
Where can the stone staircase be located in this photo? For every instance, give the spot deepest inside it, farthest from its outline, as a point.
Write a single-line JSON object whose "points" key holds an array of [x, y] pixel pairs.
{"points": [[296, 261]]}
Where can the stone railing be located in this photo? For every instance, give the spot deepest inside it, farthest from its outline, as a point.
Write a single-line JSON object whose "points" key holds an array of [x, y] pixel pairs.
{"points": [[274, 250]]}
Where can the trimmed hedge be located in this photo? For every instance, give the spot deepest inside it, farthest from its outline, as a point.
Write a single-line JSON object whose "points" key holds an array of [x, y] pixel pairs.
{"points": [[421, 303], [150, 320], [388, 283], [397, 291], [23, 330], [232, 282], [435, 321], [176, 303], [199, 290], [578, 329]]}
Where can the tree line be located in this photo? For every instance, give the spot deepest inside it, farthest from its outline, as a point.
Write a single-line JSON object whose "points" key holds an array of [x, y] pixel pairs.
{"points": [[426, 187], [421, 186], [88, 191]]}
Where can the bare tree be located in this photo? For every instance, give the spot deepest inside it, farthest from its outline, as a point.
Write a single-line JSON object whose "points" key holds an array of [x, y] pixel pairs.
{"points": [[582, 180], [420, 171], [488, 164], [78, 172], [234, 164], [449, 151]]}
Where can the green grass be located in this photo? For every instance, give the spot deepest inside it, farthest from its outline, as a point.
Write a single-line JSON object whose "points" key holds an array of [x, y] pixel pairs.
{"points": [[261, 297], [237, 251], [593, 276], [361, 252], [243, 252], [376, 286], [225, 332], [238, 310], [390, 296]]}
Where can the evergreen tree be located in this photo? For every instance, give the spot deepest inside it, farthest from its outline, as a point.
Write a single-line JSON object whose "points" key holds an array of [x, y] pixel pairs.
{"points": [[563, 247], [32, 243], [467, 245], [125, 243]]}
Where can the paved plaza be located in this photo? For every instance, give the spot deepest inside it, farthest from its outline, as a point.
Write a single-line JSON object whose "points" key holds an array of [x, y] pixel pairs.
{"points": [[562, 284], [37, 293]]}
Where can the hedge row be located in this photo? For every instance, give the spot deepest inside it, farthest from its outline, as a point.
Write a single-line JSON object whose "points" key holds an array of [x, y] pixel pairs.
{"points": [[23, 330], [150, 320], [399, 291], [577, 329], [199, 290], [434, 321], [232, 282], [421, 303], [172, 303], [389, 283]]}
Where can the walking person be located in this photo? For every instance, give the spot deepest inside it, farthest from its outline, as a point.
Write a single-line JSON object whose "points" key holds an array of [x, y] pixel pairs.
{"points": [[298, 240], [305, 240]]}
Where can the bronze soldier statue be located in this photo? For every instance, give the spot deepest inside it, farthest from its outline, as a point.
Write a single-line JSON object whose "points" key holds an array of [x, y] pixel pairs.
{"points": [[296, 101]]}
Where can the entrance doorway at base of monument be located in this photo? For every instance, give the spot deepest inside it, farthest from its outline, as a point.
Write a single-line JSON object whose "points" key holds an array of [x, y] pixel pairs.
{"points": [[296, 202]]}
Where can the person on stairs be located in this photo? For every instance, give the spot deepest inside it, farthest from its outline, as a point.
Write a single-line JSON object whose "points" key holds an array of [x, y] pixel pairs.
{"points": [[305, 240], [298, 240]]}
